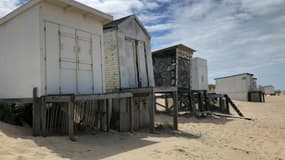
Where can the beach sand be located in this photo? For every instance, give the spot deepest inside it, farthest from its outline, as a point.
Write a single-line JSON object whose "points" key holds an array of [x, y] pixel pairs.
{"points": [[209, 138]]}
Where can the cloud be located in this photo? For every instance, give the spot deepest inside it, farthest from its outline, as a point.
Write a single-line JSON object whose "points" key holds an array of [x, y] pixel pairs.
{"points": [[7, 6], [233, 35], [160, 27]]}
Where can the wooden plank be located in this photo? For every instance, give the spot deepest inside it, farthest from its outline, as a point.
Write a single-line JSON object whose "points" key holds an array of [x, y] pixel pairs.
{"points": [[102, 96], [57, 99], [43, 117], [17, 100], [164, 89], [70, 121]]}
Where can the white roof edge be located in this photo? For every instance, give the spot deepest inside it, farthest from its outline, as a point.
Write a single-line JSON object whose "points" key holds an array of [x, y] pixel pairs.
{"points": [[88, 9], [73, 3], [19, 10]]}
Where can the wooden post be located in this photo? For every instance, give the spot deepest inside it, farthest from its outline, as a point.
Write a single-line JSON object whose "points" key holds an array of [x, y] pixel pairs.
{"points": [[152, 105], [70, 120], [175, 110], [43, 116], [206, 100], [166, 103], [103, 114], [227, 105], [36, 113], [131, 105], [109, 112], [200, 102]]}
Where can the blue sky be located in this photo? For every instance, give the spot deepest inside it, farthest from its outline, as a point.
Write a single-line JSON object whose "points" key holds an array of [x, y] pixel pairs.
{"points": [[235, 36]]}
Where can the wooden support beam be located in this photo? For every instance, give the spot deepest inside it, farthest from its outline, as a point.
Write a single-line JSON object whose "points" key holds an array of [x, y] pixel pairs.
{"points": [[151, 103], [175, 110], [109, 112], [43, 117], [70, 120], [103, 96], [234, 106], [131, 105], [164, 89], [36, 113], [166, 103]]}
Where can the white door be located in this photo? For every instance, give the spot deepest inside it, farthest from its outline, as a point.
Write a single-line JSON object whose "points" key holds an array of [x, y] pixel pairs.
{"points": [[129, 77], [73, 60], [85, 62], [142, 64], [52, 58], [68, 60]]}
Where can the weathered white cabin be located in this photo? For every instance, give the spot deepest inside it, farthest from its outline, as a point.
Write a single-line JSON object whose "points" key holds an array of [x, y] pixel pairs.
{"points": [[199, 74], [268, 90], [236, 86], [55, 45], [128, 67], [128, 60]]}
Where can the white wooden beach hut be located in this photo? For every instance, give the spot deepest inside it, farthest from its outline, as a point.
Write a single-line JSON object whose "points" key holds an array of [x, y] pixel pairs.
{"points": [[128, 68], [54, 45]]}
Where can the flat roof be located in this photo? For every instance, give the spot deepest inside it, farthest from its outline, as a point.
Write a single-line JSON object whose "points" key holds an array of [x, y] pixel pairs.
{"points": [[180, 46], [71, 3], [235, 75]]}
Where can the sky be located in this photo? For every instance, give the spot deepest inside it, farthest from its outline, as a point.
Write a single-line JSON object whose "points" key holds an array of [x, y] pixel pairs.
{"points": [[235, 36]]}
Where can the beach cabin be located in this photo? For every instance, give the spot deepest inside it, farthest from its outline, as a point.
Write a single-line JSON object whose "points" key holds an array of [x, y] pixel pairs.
{"points": [[128, 68], [128, 61], [199, 72], [268, 90], [239, 87], [172, 67], [54, 45], [172, 72], [52, 56]]}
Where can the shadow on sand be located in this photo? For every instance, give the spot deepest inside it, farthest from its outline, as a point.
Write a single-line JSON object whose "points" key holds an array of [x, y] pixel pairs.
{"points": [[97, 146]]}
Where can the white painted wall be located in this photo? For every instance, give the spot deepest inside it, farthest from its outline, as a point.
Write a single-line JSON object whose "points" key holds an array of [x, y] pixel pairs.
{"points": [[199, 74], [22, 49], [237, 87], [268, 90], [19, 55], [76, 22]]}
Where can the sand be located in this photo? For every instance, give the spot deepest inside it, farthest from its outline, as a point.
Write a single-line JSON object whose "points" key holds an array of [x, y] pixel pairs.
{"points": [[213, 138]]}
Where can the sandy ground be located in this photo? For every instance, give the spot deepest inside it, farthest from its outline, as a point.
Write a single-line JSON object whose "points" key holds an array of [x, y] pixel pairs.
{"points": [[213, 138]]}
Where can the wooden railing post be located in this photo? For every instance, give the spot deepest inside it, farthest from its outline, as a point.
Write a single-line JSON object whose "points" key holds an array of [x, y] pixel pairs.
{"points": [[36, 113], [70, 119], [152, 105], [175, 110], [43, 117], [109, 111], [131, 105]]}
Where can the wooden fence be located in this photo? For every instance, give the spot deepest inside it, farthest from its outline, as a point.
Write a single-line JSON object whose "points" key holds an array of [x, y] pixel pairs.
{"points": [[71, 114]]}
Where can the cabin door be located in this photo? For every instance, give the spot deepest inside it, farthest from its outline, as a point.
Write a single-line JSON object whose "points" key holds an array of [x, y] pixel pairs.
{"points": [[129, 78], [73, 60], [134, 73], [142, 64]]}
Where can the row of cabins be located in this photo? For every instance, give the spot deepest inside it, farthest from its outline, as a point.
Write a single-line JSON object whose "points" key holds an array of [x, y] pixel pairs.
{"points": [[69, 52], [241, 87]]}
